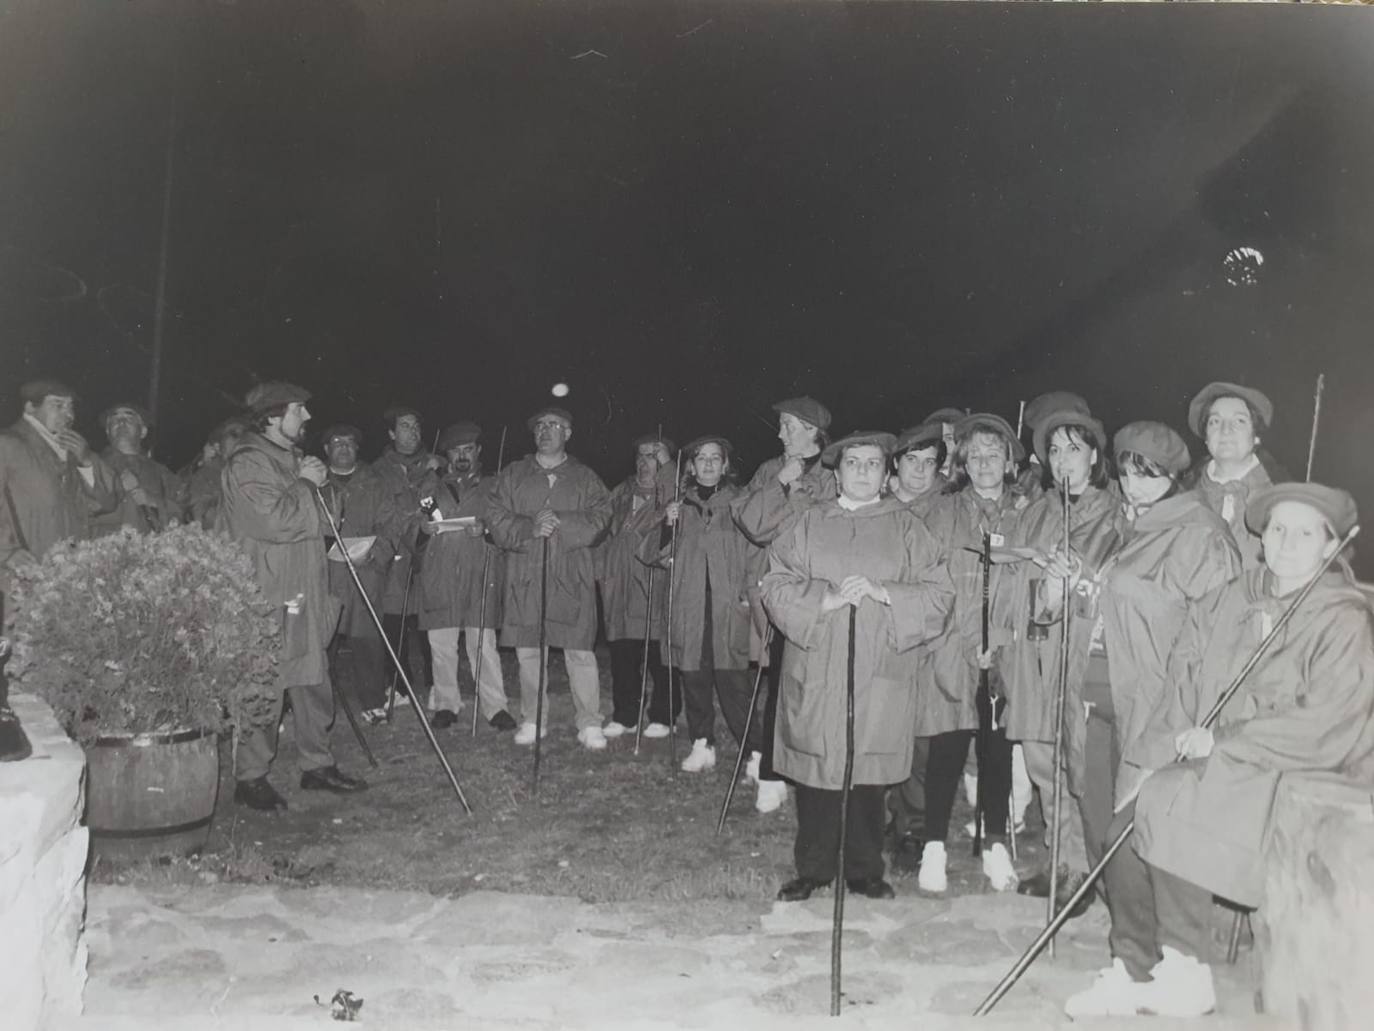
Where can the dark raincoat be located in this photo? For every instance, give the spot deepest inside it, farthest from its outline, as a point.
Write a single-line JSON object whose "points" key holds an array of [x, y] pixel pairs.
{"points": [[622, 577], [450, 578], [362, 507], [165, 489], [409, 478]]}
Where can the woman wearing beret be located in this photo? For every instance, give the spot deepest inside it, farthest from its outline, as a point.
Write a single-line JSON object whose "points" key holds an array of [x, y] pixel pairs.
{"points": [[981, 501], [1072, 447], [867, 555], [1307, 706], [1231, 418], [709, 636]]}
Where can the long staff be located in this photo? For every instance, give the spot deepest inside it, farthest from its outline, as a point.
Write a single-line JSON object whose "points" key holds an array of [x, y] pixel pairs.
{"points": [[395, 660], [543, 656], [644, 663], [837, 918], [1316, 421], [482, 612], [1028, 957], [400, 637], [748, 724], [985, 718], [1061, 693], [340, 698], [672, 579]]}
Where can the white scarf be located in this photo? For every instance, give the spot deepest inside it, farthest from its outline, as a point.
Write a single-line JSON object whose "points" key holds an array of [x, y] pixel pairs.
{"points": [[47, 436]]}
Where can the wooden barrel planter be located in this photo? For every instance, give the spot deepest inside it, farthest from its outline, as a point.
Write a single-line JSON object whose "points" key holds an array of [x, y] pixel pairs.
{"points": [[152, 794]]}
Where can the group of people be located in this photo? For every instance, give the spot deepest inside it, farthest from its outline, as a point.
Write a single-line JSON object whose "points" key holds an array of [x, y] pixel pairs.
{"points": [[943, 576]]}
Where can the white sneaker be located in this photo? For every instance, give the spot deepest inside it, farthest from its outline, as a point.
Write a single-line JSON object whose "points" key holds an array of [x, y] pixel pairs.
{"points": [[932, 877], [1113, 994], [592, 738], [614, 729], [998, 869], [1181, 987], [772, 794], [703, 757], [525, 735], [656, 730], [751, 768]]}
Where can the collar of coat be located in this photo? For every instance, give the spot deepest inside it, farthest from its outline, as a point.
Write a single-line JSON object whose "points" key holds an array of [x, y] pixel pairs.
{"points": [[832, 509], [1178, 510]]}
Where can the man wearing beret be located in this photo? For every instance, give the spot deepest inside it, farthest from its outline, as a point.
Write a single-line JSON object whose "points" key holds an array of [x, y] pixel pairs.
{"points": [[410, 473], [450, 584], [270, 505], [362, 506], [781, 489], [51, 483], [151, 496]]}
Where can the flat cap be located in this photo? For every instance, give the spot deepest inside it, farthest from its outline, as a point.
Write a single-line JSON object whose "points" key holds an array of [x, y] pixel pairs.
{"points": [[987, 422], [457, 435], [1202, 404], [556, 412], [807, 409], [880, 439], [35, 390], [1051, 421], [1051, 402], [917, 438], [342, 429], [656, 438], [1154, 441], [138, 410], [1335, 505], [274, 394]]}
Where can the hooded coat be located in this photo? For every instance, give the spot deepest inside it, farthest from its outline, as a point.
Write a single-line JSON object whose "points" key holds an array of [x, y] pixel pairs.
{"points": [[710, 549], [43, 499], [408, 478], [1031, 669], [273, 512], [450, 579], [826, 544], [362, 506], [1306, 707], [1177, 552], [950, 674], [622, 576], [583, 506], [165, 489], [1229, 499]]}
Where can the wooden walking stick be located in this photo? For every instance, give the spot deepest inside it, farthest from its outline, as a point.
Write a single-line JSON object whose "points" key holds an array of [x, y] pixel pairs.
{"points": [[672, 580], [837, 920], [1060, 696], [644, 661], [543, 657], [748, 723], [396, 662], [400, 638], [1316, 421], [1045, 936], [984, 704], [482, 612]]}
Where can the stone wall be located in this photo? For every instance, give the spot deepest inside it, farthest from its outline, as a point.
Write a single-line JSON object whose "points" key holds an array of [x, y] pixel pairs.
{"points": [[42, 875], [1315, 931]]}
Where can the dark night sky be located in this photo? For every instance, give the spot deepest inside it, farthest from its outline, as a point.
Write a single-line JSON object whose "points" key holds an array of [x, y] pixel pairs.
{"points": [[891, 206]]}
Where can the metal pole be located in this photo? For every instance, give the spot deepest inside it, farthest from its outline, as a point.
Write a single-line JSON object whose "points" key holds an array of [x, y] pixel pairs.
{"points": [[543, 657], [395, 661], [482, 612], [1316, 421], [400, 638], [644, 663], [672, 579], [748, 723], [1060, 696], [984, 695], [837, 919], [1035, 947]]}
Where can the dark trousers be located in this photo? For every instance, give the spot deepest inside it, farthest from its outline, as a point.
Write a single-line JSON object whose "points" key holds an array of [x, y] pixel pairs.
{"points": [[768, 719], [1151, 908], [700, 688], [1101, 759], [627, 658], [818, 833], [948, 753], [363, 676], [413, 651], [907, 800]]}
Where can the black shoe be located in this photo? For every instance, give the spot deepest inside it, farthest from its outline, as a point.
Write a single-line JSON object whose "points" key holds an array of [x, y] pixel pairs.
{"points": [[797, 889], [258, 794], [502, 721], [906, 853], [1037, 887], [331, 778], [443, 719], [872, 888]]}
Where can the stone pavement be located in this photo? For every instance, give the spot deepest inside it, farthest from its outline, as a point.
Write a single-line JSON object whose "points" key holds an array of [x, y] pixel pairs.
{"points": [[228, 956]]}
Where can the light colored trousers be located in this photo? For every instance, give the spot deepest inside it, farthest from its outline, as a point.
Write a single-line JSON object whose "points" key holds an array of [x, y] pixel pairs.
{"points": [[582, 676], [443, 645], [1040, 766]]}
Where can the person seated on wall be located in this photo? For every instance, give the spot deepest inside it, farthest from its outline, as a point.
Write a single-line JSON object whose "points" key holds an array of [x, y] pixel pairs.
{"points": [[1201, 823]]}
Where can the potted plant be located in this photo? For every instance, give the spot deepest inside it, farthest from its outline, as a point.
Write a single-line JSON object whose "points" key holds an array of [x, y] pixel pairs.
{"points": [[147, 647]]}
